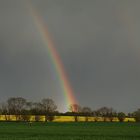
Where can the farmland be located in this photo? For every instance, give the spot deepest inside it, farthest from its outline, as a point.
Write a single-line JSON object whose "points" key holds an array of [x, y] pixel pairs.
{"points": [[60, 118], [69, 131]]}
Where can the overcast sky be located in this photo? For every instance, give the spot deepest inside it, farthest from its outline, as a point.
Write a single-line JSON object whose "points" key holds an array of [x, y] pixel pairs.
{"points": [[98, 41]]}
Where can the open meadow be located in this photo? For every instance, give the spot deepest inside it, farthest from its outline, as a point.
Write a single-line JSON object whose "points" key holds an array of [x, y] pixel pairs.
{"points": [[69, 131]]}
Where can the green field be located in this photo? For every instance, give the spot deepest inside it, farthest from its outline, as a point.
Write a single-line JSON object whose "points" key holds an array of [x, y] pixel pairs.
{"points": [[69, 131]]}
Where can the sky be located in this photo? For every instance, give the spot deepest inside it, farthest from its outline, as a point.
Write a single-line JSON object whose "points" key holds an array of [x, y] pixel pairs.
{"points": [[97, 40]]}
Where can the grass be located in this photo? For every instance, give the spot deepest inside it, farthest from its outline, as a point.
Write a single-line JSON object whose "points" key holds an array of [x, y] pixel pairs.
{"points": [[69, 131]]}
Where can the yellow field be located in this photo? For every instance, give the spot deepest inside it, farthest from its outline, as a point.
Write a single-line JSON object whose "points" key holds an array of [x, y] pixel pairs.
{"points": [[64, 118]]}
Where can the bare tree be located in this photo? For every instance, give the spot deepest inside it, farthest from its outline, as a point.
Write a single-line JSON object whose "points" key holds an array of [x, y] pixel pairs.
{"points": [[121, 116], [96, 115], [16, 105], [37, 110], [111, 114], [86, 111], [49, 108], [25, 116], [75, 109], [34, 108], [136, 114], [5, 111], [106, 112]]}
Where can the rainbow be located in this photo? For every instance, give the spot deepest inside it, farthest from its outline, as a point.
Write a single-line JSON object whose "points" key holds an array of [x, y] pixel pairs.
{"points": [[54, 58]]}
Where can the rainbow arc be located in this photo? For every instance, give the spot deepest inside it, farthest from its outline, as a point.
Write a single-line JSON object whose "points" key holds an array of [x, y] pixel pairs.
{"points": [[54, 58]]}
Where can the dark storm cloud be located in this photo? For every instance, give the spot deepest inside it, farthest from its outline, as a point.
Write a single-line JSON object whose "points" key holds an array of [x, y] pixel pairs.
{"points": [[98, 41]]}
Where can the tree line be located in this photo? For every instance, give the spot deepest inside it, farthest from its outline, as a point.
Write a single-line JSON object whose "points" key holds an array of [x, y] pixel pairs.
{"points": [[22, 109]]}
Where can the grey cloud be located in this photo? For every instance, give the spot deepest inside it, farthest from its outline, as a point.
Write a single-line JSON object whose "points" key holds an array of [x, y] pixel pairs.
{"points": [[97, 40]]}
